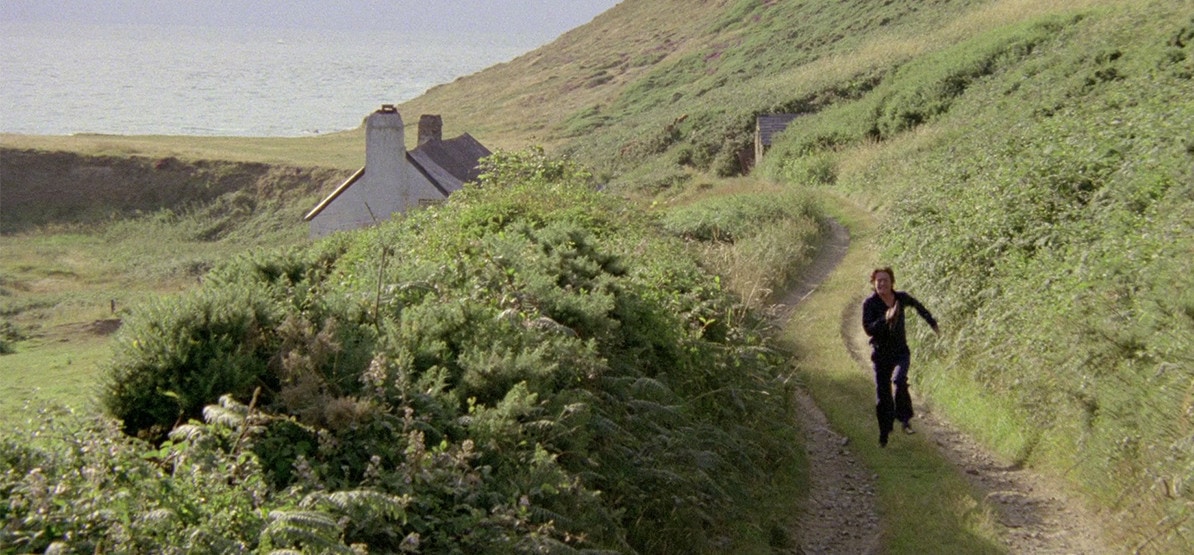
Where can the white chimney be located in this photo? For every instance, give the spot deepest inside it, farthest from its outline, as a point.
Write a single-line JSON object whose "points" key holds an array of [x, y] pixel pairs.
{"points": [[385, 158]]}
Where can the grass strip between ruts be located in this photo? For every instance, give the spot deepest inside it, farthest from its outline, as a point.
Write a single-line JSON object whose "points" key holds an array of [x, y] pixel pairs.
{"points": [[925, 505]]}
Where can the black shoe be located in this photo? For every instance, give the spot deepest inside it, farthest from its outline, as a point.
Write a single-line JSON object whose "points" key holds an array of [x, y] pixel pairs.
{"points": [[908, 429], [882, 439]]}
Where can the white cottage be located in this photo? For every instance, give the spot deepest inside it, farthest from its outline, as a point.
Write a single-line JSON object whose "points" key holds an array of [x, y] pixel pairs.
{"points": [[394, 179]]}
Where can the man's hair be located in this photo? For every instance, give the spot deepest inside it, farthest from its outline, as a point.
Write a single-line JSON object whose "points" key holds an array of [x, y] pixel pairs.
{"points": [[887, 269]]}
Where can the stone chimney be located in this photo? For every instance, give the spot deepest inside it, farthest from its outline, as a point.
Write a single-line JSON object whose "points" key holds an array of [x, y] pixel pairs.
{"points": [[431, 128]]}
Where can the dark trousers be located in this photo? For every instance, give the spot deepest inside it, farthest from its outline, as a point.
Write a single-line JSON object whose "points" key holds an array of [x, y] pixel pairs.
{"points": [[888, 407]]}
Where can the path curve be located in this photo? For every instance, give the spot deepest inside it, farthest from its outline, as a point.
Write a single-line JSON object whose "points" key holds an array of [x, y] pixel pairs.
{"points": [[1032, 513], [839, 515]]}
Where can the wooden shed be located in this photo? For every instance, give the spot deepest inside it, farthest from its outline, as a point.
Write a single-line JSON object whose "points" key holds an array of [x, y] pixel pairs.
{"points": [[766, 126]]}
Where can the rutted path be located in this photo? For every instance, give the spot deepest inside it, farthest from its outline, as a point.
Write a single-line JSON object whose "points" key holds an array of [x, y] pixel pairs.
{"points": [[1029, 513], [840, 515]]}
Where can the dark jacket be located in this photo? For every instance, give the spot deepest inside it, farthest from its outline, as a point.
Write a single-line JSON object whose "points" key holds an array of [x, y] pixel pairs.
{"points": [[887, 341]]}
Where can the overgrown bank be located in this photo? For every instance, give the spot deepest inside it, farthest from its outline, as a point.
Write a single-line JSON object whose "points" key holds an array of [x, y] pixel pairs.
{"points": [[1036, 185], [65, 190], [534, 366]]}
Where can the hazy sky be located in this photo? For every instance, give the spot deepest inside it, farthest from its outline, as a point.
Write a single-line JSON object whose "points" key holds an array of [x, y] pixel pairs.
{"points": [[548, 17]]}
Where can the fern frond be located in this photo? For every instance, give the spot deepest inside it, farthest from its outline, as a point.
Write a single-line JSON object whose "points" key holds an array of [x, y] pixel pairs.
{"points": [[306, 520], [186, 432], [224, 416], [542, 514], [158, 515], [370, 502], [229, 402], [315, 531], [547, 545], [643, 386]]}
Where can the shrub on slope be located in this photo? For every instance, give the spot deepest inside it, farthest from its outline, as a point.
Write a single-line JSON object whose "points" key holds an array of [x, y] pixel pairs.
{"points": [[527, 367]]}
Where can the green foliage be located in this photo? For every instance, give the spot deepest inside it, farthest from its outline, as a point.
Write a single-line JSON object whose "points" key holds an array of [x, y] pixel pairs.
{"points": [[76, 483], [925, 89], [732, 218], [1045, 213], [697, 106], [757, 242], [528, 367], [907, 97], [252, 327], [181, 354]]}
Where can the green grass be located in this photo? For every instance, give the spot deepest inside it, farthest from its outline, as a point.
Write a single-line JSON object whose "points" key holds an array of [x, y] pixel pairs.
{"points": [[58, 281], [757, 236], [56, 287], [1045, 200], [54, 369]]}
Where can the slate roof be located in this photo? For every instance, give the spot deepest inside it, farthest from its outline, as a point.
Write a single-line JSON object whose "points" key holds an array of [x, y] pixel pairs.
{"points": [[449, 164], [446, 164]]}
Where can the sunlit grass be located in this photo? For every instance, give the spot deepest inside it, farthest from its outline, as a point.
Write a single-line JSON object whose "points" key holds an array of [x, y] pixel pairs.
{"points": [[58, 368], [764, 253], [343, 150]]}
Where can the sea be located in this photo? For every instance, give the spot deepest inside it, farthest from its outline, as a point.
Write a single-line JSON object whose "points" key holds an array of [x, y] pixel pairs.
{"points": [[206, 81]]}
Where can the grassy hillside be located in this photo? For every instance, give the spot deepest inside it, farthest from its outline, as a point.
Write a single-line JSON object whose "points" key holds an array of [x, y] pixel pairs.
{"points": [[1030, 165], [1036, 183], [1032, 162]]}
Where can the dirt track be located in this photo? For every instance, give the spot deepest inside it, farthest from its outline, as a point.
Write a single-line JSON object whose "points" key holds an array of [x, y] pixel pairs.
{"points": [[1031, 514]]}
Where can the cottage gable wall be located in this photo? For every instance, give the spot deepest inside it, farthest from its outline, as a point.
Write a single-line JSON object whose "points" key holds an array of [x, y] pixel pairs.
{"points": [[394, 180]]}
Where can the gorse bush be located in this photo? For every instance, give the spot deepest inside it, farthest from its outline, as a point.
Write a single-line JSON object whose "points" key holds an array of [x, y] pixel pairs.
{"points": [[530, 367], [231, 337], [185, 352]]}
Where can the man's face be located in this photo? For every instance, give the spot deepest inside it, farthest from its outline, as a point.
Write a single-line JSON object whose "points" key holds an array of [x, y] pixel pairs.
{"points": [[882, 283]]}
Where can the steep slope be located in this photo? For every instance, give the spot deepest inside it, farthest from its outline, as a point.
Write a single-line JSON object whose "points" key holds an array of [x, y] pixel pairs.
{"points": [[645, 92], [1033, 159], [1035, 181]]}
